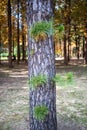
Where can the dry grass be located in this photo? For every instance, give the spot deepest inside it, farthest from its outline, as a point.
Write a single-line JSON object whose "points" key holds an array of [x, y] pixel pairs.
{"points": [[71, 100]]}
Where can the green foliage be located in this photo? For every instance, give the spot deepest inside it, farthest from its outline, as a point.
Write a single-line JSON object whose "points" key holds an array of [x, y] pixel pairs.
{"points": [[66, 80], [57, 78], [69, 76], [60, 28], [58, 33], [40, 112], [41, 29], [37, 81], [3, 51], [4, 54]]}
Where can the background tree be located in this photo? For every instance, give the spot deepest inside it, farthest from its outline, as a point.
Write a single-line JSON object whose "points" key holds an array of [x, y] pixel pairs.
{"points": [[23, 26], [0, 43], [18, 36], [9, 34], [67, 12]]}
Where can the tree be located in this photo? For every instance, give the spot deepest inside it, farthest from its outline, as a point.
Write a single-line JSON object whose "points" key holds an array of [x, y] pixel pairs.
{"points": [[65, 35], [18, 42], [42, 91], [23, 9], [0, 43], [9, 34]]}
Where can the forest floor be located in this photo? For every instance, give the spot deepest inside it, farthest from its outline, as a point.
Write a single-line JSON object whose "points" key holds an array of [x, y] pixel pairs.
{"points": [[71, 100]]}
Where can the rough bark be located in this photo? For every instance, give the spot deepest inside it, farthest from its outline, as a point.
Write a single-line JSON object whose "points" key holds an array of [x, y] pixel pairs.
{"points": [[65, 35], [18, 42], [9, 34], [86, 43], [41, 62], [83, 49], [13, 39], [65, 51], [0, 43], [69, 28], [23, 43]]}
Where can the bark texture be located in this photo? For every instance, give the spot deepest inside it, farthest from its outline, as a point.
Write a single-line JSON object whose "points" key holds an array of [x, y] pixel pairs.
{"points": [[41, 61], [9, 34], [18, 33]]}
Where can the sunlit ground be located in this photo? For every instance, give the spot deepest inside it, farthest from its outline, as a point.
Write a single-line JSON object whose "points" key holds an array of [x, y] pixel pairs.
{"points": [[71, 100]]}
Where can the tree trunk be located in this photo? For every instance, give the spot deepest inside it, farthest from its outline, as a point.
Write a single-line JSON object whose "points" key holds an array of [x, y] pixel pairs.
{"points": [[86, 43], [0, 44], [9, 34], [23, 41], [13, 36], [83, 48], [23, 20], [18, 43], [42, 61], [76, 42], [69, 28], [78, 47], [65, 51], [66, 31]]}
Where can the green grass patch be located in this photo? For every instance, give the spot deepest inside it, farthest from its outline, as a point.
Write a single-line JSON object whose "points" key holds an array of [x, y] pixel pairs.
{"points": [[65, 80], [40, 112], [37, 81]]}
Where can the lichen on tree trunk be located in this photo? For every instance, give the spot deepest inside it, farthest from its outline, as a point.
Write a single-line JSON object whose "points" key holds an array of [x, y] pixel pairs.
{"points": [[41, 61]]}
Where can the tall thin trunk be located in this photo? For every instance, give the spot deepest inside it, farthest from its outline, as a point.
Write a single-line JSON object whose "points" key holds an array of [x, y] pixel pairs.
{"points": [[69, 28], [65, 51], [13, 36], [60, 43], [86, 43], [86, 34], [41, 61], [9, 34], [23, 43], [65, 35], [0, 44], [78, 49], [23, 30], [76, 42], [83, 48], [18, 43], [69, 42]]}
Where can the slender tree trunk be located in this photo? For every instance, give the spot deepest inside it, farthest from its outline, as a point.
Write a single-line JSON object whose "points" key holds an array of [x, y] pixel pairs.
{"points": [[23, 45], [76, 42], [78, 47], [23, 42], [42, 61], [86, 43], [23, 3], [18, 43], [69, 42], [65, 51], [85, 35], [0, 44], [9, 34], [69, 28], [13, 31], [60, 43], [83, 49], [65, 35], [13, 35], [78, 52]]}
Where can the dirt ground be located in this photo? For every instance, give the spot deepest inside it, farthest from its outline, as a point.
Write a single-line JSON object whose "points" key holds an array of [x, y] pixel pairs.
{"points": [[71, 100]]}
